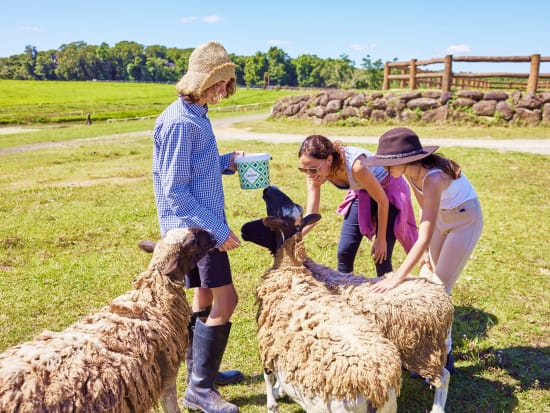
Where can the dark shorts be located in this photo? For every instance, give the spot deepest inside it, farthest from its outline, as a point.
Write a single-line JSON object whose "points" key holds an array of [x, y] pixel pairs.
{"points": [[212, 271]]}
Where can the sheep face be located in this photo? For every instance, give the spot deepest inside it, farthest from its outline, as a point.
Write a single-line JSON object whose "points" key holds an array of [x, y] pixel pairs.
{"points": [[180, 250], [283, 221], [280, 205]]}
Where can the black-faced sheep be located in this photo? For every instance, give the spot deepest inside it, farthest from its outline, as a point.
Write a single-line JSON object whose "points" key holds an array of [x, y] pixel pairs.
{"points": [[415, 317], [122, 358], [322, 355]]}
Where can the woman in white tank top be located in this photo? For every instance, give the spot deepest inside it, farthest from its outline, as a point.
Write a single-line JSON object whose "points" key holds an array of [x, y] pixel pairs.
{"points": [[451, 220]]}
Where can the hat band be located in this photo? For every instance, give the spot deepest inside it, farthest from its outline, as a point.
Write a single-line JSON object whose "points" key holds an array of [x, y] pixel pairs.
{"points": [[401, 155]]}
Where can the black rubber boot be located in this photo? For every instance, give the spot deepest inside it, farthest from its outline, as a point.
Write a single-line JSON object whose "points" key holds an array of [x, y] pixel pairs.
{"points": [[208, 346], [224, 377]]}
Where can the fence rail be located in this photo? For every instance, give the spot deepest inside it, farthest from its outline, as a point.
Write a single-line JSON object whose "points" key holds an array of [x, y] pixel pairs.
{"points": [[411, 74]]}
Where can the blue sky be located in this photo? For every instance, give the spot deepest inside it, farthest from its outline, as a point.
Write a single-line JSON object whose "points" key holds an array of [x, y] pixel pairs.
{"points": [[383, 29]]}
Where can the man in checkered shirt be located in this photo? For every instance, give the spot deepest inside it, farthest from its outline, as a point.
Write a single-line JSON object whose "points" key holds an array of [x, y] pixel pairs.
{"points": [[187, 177]]}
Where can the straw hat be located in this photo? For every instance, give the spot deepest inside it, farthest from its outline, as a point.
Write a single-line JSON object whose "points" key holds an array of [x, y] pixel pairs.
{"points": [[208, 64], [399, 146]]}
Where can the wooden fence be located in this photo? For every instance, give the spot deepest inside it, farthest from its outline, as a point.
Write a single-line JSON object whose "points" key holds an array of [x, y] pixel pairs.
{"points": [[410, 73]]}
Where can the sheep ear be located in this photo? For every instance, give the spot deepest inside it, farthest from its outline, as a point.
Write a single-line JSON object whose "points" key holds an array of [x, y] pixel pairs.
{"points": [[311, 219], [170, 266], [275, 223], [146, 245], [259, 234], [194, 246]]}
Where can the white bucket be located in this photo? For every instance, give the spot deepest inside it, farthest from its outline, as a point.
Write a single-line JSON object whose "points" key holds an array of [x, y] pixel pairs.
{"points": [[253, 170]]}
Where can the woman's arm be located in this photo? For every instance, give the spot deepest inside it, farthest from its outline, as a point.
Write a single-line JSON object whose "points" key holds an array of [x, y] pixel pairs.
{"points": [[313, 201], [433, 187], [363, 175]]}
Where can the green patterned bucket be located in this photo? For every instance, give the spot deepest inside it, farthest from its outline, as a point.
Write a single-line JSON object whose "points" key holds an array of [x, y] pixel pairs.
{"points": [[253, 170]]}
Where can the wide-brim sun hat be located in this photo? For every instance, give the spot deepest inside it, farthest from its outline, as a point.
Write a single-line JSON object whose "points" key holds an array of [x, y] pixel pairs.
{"points": [[209, 64], [399, 146]]}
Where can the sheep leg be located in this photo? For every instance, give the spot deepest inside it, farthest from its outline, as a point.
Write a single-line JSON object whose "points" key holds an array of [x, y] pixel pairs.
{"points": [[269, 379], [169, 399], [440, 396]]}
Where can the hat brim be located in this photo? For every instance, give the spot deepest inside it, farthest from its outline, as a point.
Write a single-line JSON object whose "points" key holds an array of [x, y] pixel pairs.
{"points": [[197, 82], [398, 160]]}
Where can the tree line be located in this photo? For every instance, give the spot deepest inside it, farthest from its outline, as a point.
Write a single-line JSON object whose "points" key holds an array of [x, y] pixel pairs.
{"points": [[131, 61]]}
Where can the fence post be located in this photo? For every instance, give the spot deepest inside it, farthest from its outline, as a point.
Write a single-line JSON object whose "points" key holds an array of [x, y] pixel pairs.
{"points": [[533, 79], [412, 75], [386, 84], [447, 74]]}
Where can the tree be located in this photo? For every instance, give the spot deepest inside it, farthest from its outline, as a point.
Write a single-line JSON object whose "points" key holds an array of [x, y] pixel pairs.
{"points": [[29, 60], [106, 64], [178, 60], [45, 65], [132, 61], [254, 69], [72, 62], [308, 70], [281, 71], [124, 55], [240, 61], [374, 73], [338, 73]]}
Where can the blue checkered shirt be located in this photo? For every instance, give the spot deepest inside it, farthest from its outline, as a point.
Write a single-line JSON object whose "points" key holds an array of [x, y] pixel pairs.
{"points": [[187, 171]]}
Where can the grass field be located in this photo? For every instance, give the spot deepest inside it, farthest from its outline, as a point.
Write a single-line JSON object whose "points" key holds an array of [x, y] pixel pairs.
{"points": [[51, 102], [71, 218]]}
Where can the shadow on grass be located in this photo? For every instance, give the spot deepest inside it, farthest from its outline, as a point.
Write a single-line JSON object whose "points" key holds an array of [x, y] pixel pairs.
{"points": [[486, 380], [492, 377]]}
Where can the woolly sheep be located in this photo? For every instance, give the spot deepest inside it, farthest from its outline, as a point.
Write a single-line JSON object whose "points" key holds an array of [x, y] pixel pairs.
{"points": [[415, 317], [120, 359], [323, 356]]}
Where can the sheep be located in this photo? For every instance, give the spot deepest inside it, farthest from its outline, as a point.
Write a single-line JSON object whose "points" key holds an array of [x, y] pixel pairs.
{"points": [[121, 359], [321, 355], [416, 316]]}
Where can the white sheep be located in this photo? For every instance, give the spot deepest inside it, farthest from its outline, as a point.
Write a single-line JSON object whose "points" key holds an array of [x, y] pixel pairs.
{"points": [[122, 358], [415, 317]]}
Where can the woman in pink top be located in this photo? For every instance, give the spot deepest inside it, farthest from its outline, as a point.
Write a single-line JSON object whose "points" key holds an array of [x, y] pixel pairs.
{"points": [[451, 219]]}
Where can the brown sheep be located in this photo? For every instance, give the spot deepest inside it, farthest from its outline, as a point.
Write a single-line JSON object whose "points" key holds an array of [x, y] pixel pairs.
{"points": [[322, 355], [415, 317], [122, 358]]}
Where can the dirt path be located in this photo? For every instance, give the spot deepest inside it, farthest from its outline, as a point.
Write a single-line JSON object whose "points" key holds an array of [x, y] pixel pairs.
{"points": [[225, 130]]}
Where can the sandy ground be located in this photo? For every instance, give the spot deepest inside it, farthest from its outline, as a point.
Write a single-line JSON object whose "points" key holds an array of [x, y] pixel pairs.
{"points": [[225, 130]]}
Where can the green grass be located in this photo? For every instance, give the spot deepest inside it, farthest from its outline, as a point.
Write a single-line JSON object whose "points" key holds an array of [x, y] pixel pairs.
{"points": [[71, 218], [47, 102]]}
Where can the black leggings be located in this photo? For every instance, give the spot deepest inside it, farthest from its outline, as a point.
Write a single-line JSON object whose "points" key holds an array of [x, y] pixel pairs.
{"points": [[351, 237]]}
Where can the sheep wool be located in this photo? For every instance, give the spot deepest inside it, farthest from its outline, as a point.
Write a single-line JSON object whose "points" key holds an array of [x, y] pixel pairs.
{"points": [[416, 316], [316, 343], [120, 359]]}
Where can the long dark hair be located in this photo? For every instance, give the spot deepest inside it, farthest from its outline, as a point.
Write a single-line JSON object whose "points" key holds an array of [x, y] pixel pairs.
{"points": [[320, 147], [439, 161]]}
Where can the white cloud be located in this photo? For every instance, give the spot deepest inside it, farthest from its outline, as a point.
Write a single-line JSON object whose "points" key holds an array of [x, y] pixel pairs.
{"points": [[277, 42], [29, 28], [458, 48], [189, 19], [211, 19], [361, 47], [204, 19]]}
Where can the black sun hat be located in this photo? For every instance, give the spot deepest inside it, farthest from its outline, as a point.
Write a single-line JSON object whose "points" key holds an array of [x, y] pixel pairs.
{"points": [[399, 146]]}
